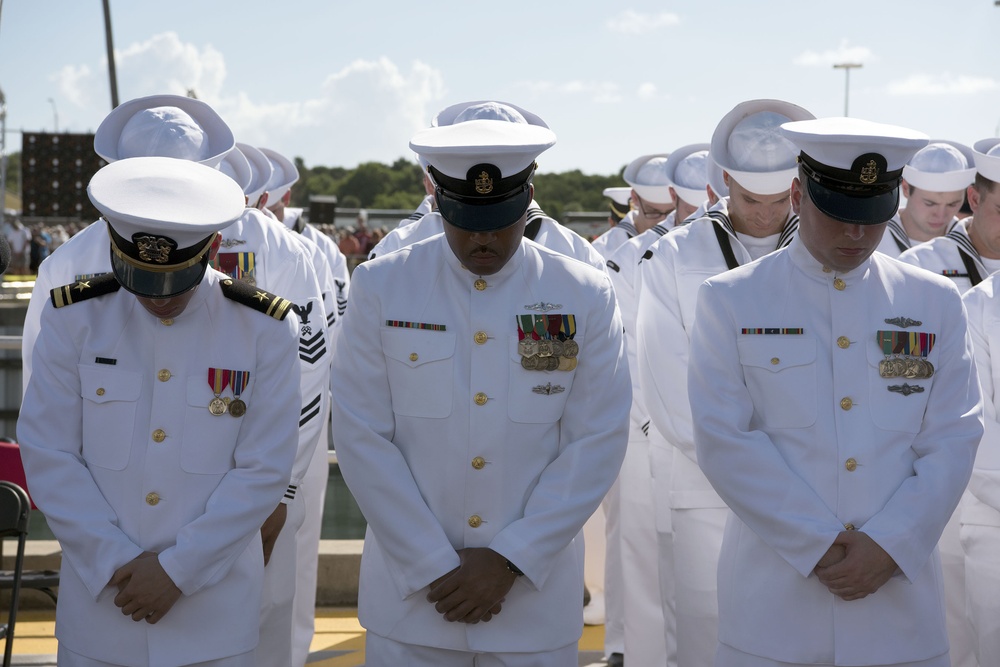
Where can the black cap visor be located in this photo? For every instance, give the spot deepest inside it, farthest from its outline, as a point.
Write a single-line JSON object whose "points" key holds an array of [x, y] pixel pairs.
{"points": [[856, 210], [158, 283], [483, 214]]}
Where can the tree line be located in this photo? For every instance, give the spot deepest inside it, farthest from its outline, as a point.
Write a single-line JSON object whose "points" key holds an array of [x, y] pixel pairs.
{"points": [[400, 186]]}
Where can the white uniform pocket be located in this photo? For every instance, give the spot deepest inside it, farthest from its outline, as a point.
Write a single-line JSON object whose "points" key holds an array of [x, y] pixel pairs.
{"points": [[210, 440], [535, 397], [420, 364], [780, 374], [894, 410], [109, 404]]}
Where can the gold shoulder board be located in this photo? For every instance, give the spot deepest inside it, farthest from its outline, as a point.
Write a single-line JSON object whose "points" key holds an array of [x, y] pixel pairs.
{"points": [[249, 295], [83, 289]]}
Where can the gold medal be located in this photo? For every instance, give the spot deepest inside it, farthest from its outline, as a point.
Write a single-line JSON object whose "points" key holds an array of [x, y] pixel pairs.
{"points": [[885, 368], [567, 363], [530, 363], [545, 348], [217, 406], [552, 363], [570, 348], [237, 408], [557, 348]]}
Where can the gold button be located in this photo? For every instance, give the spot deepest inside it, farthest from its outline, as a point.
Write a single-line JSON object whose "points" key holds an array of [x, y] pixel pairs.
{"points": [[851, 465], [775, 361], [163, 375], [100, 391], [475, 521], [480, 338], [843, 342], [159, 435], [827, 269], [479, 463], [480, 285], [839, 285], [848, 526], [846, 404], [413, 356], [480, 398], [152, 498], [227, 281], [166, 322]]}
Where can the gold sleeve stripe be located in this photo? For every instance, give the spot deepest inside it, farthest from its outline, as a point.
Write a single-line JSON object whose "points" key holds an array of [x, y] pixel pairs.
{"points": [[279, 308], [62, 296]]}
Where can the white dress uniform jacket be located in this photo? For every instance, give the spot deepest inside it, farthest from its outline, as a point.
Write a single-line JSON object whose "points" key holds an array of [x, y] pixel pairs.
{"points": [[671, 271], [550, 234], [609, 241], [426, 206], [981, 504], [895, 241], [124, 457], [281, 266], [802, 438], [951, 256], [447, 442], [337, 261]]}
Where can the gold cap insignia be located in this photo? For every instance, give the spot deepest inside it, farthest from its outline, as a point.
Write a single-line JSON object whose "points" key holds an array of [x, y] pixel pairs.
{"points": [[869, 173], [153, 249], [484, 184]]}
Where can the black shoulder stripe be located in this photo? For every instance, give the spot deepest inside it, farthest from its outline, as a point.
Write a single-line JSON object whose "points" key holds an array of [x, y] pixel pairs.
{"points": [[248, 295], [83, 289], [647, 255], [612, 265]]}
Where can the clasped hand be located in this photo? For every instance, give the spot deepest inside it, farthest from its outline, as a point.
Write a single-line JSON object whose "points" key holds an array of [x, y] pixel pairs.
{"points": [[854, 566], [473, 591], [145, 590]]}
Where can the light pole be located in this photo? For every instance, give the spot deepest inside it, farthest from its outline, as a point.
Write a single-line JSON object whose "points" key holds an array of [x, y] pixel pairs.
{"points": [[847, 67], [55, 116]]}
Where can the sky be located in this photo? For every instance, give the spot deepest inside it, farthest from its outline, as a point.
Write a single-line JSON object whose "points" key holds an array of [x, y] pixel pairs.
{"points": [[341, 82]]}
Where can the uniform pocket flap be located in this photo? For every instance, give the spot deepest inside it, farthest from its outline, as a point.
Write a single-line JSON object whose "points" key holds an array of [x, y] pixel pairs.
{"points": [[776, 353], [416, 347], [104, 385]]}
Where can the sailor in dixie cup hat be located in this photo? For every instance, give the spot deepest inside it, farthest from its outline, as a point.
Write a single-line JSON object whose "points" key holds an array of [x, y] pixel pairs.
{"points": [[178, 401], [934, 184], [838, 419], [480, 376]]}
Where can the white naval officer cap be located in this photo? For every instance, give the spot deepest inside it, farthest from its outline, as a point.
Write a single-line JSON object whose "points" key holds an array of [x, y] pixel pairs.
{"points": [[482, 169], [283, 175], [986, 153], [647, 174], [166, 126], [853, 167], [941, 166], [260, 172], [621, 201], [687, 169], [748, 146], [163, 214]]}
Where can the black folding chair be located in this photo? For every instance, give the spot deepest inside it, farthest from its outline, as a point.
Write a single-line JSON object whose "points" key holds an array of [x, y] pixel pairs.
{"points": [[15, 509]]}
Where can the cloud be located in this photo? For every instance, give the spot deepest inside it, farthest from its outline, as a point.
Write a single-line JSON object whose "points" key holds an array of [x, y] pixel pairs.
{"points": [[648, 91], [598, 92], [631, 22], [942, 84], [844, 53], [366, 110]]}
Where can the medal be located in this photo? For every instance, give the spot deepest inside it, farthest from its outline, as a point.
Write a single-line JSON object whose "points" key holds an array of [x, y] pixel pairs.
{"points": [[527, 347], [240, 380], [530, 363], [567, 363], [551, 363], [218, 380], [545, 348], [570, 348]]}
